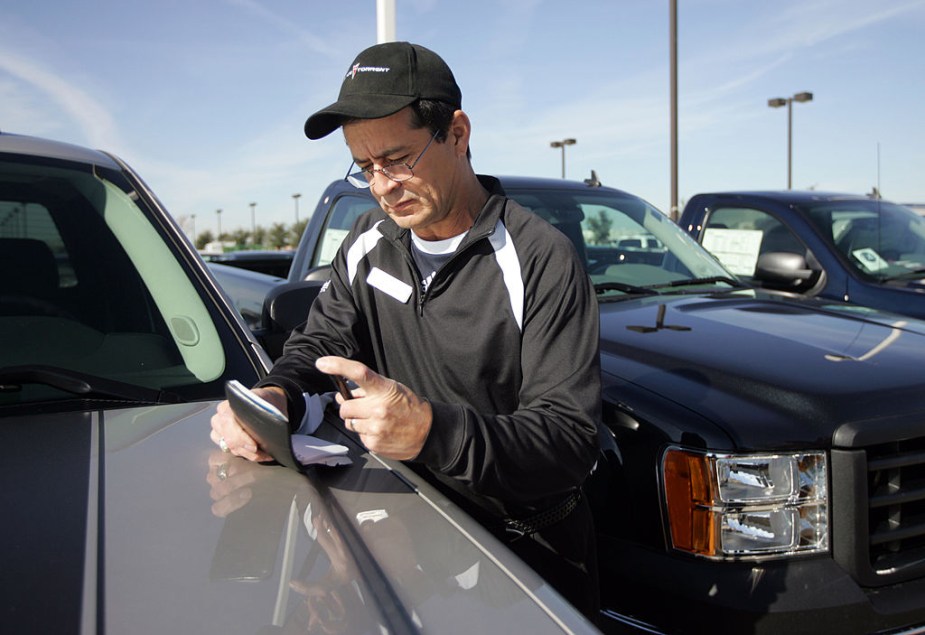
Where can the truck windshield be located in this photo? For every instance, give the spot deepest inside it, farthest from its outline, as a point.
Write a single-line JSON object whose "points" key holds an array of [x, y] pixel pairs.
{"points": [[622, 239], [881, 240]]}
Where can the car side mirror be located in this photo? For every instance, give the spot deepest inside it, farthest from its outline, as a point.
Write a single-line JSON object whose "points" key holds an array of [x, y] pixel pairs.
{"points": [[781, 269], [284, 309]]}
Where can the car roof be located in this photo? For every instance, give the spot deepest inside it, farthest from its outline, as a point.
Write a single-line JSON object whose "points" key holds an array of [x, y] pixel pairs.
{"points": [[251, 254], [38, 147], [509, 182], [513, 183], [795, 197]]}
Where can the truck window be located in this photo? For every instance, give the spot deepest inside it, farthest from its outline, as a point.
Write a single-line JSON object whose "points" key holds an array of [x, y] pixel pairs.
{"points": [[737, 236], [344, 212]]}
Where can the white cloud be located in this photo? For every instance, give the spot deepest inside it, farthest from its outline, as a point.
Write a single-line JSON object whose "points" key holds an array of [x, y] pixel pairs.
{"points": [[95, 122], [309, 39]]}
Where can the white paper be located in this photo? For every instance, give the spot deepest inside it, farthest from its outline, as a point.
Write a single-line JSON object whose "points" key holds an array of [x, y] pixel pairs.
{"points": [[870, 259], [311, 450], [258, 401], [737, 249]]}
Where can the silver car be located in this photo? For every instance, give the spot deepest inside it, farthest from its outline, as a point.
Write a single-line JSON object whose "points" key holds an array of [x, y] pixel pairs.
{"points": [[120, 515]]}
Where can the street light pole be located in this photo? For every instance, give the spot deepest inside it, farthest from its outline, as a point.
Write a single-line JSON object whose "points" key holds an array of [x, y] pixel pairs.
{"points": [[295, 197], [218, 214], [253, 223], [562, 144], [385, 21], [777, 102], [673, 81]]}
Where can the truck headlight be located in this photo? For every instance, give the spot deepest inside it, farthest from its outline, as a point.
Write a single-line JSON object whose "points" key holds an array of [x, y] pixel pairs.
{"points": [[746, 505]]}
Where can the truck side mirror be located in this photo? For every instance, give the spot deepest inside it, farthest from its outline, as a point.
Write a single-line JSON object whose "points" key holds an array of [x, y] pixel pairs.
{"points": [[784, 270], [284, 309]]}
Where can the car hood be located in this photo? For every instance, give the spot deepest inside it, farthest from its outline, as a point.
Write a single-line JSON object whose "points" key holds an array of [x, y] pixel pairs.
{"points": [[131, 521], [762, 368]]}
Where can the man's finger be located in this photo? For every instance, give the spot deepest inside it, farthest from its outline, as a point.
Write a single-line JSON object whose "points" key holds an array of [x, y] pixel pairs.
{"points": [[231, 503], [359, 373]]}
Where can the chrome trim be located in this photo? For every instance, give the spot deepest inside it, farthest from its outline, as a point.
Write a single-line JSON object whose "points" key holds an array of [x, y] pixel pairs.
{"points": [[639, 625], [91, 582], [904, 630]]}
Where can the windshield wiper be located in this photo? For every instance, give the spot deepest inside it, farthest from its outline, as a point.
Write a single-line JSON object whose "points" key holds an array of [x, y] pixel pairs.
{"points": [[601, 287], [12, 379], [689, 282]]}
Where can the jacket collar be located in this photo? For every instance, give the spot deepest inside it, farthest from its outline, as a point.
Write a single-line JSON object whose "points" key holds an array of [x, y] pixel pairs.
{"points": [[483, 226]]}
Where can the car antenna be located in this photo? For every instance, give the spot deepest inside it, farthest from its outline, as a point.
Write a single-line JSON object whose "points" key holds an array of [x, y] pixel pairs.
{"points": [[593, 181]]}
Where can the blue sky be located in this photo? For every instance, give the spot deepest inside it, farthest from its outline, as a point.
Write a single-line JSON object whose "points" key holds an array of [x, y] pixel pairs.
{"points": [[207, 98]]}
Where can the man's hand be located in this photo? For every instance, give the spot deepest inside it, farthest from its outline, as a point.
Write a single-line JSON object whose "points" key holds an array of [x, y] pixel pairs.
{"points": [[226, 426], [230, 483], [391, 420]]}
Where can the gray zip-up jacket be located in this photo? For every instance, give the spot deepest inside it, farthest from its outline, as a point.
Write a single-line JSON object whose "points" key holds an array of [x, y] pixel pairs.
{"points": [[504, 344]]}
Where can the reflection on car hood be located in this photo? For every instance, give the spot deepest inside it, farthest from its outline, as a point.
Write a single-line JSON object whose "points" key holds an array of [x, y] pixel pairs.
{"points": [[774, 362], [131, 521]]}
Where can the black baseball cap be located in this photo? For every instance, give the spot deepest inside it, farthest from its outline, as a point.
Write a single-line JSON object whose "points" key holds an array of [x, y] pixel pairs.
{"points": [[382, 80]]}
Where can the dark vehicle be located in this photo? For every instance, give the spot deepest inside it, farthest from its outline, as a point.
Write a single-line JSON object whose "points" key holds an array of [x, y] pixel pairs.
{"points": [[835, 246], [247, 289], [122, 516], [764, 461], [270, 262]]}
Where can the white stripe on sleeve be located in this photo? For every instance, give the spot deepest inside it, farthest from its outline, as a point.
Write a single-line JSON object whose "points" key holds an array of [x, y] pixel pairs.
{"points": [[506, 255]]}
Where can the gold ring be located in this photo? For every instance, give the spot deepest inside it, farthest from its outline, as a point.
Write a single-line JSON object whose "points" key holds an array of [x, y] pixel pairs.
{"points": [[223, 445]]}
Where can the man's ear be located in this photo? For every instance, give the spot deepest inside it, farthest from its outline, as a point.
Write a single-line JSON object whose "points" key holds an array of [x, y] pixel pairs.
{"points": [[459, 132]]}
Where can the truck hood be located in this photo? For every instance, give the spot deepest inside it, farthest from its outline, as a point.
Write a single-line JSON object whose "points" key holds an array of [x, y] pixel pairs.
{"points": [[131, 521], [764, 368]]}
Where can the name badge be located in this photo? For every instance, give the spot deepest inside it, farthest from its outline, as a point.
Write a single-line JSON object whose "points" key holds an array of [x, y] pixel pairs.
{"points": [[389, 284]]}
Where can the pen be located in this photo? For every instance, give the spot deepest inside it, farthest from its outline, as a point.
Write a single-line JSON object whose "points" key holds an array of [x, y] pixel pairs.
{"points": [[341, 385]]}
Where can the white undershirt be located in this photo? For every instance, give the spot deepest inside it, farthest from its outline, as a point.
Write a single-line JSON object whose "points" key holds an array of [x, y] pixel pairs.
{"points": [[430, 255]]}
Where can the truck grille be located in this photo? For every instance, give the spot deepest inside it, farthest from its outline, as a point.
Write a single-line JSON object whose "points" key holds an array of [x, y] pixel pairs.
{"points": [[878, 500], [896, 505]]}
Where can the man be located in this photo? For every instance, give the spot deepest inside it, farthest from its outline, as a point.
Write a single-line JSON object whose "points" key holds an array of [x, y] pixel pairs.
{"points": [[467, 323]]}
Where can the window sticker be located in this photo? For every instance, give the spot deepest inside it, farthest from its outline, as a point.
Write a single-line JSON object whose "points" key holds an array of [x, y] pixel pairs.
{"points": [[330, 243], [736, 249], [869, 259]]}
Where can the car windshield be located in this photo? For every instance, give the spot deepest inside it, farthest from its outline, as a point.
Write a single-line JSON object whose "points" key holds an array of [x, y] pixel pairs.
{"points": [[628, 246], [881, 240], [92, 301]]}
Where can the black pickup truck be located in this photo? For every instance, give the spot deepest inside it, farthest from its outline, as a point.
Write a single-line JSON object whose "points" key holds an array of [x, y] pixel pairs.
{"points": [[840, 247], [764, 460]]}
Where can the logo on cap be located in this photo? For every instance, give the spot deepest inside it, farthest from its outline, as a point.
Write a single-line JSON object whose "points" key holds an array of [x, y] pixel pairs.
{"points": [[366, 69]]}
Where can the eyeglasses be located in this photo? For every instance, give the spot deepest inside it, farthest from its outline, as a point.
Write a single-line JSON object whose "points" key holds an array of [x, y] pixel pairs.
{"points": [[397, 172]]}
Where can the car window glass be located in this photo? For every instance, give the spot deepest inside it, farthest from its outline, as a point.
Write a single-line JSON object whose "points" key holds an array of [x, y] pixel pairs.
{"points": [[621, 239], [878, 239], [737, 236], [32, 221], [88, 285], [343, 213]]}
